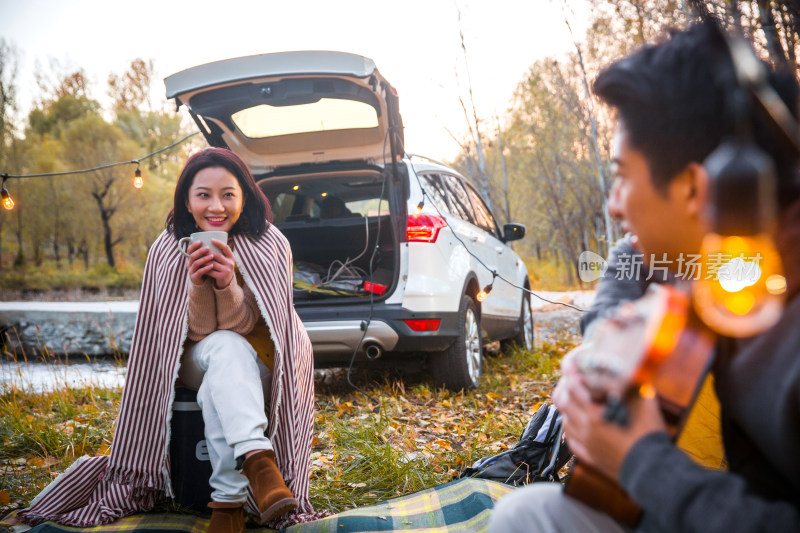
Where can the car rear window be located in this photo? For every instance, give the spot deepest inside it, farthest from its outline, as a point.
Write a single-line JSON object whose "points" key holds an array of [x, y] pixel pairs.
{"points": [[326, 198], [326, 114]]}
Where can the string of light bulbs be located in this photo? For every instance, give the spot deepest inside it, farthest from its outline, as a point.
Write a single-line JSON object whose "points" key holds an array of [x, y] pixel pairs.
{"points": [[138, 180]]}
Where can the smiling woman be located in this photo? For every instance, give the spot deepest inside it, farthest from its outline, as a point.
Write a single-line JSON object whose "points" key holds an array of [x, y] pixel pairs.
{"points": [[217, 192], [221, 323], [215, 199]]}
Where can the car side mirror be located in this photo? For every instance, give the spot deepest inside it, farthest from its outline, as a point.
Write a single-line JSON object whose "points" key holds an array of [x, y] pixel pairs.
{"points": [[513, 232]]}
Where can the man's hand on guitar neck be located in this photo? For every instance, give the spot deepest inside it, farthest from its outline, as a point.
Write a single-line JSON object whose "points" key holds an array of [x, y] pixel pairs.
{"points": [[593, 439]]}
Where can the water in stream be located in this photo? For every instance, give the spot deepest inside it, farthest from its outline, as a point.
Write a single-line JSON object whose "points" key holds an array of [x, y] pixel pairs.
{"points": [[42, 376]]}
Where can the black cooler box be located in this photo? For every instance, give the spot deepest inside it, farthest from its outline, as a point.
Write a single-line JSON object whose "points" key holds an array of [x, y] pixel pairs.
{"points": [[188, 455]]}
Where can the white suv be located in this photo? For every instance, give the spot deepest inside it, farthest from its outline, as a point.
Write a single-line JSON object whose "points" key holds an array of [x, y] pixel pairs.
{"points": [[390, 251]]}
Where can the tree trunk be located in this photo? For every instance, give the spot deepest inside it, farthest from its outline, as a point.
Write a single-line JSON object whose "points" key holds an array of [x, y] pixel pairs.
{"points": [[505, 172], [37, 253], [70, 251], [19, 260], [57, 252], [108, 243], [56, 222], [105, 216], [83, 250], [598, 161], [483, 182]]}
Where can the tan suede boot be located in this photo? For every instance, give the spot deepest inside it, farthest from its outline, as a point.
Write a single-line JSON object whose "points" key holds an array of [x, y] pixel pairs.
{"points": [[226, 517], [272, 495]]}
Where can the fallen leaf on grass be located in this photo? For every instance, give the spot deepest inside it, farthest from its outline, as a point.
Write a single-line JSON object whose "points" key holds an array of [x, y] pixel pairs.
{"points": [[346, 407], [441, 443], [497, 446], [36, 461], [5, 499]]}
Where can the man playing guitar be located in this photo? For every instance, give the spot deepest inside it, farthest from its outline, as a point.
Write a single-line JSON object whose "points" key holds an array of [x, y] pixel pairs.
{"points": [[671, 112]]}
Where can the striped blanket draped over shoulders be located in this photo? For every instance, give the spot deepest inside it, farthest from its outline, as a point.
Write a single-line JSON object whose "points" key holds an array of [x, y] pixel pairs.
{"points": [[101, 489]]}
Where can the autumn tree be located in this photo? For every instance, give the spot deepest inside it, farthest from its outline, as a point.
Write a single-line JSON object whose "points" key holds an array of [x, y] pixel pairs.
{"points": [[91, 142], [65, 131], [64, 98], [557, 142], [60, 103], [131, 89], [150, 129], [8, 109], [549, 138]]}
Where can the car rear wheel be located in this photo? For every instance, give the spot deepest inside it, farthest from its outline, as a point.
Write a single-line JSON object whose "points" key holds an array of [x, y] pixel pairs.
{"points": [[461, 365], [524, 338]]}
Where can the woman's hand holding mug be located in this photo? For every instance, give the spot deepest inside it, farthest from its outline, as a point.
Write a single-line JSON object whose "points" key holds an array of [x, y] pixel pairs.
{"points": [[209, 254]]}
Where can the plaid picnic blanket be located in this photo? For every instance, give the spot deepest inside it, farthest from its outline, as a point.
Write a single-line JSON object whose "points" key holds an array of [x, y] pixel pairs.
{"points": [[463, 505]]}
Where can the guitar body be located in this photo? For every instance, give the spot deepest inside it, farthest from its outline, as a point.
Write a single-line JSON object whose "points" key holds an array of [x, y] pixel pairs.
{"points": [[656, 345], [596, 490]]}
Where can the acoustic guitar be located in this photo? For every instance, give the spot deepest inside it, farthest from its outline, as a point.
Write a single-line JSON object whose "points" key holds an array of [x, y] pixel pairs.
{"points": [[655, 345]]}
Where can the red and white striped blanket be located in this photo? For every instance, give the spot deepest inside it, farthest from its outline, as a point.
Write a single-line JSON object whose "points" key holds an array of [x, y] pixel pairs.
{"points": [[101, 489]]}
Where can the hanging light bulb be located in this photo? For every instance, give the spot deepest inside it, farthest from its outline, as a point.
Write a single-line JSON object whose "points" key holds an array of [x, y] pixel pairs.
{"points": [[483, 293], [742, 286], [419, 207], [138, 181], [8, 203], [481, 296], [745, 294]]}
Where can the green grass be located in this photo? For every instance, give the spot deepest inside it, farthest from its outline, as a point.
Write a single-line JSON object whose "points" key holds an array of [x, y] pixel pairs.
{"points": [[547, 275], [49, 276], [419, 436], [43, 433]]}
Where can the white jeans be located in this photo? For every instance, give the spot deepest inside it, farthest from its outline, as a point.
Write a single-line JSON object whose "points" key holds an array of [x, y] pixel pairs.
{"points": [[227, 374]]}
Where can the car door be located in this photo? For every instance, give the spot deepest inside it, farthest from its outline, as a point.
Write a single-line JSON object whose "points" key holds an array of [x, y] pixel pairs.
{"points": [[507, 297], [475, 238]]}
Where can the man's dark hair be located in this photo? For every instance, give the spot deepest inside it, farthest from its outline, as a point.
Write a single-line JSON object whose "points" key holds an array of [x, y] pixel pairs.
{"points": [[673, 100], [256, 213]]}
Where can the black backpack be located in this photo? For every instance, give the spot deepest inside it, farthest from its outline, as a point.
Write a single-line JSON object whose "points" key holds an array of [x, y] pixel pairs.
{"points": [[538, 456]]}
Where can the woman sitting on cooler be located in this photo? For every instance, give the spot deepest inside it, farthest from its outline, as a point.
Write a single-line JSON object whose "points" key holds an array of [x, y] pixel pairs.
{"points": [[222, 322]]}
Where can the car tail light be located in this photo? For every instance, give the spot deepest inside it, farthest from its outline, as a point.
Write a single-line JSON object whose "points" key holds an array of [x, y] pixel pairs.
{"points": [[375, 288], [423, 324], [424, 228]]}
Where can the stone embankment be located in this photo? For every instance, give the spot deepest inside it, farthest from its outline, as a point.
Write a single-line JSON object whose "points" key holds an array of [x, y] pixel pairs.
{"points": [[77, 329], [37, 329]]}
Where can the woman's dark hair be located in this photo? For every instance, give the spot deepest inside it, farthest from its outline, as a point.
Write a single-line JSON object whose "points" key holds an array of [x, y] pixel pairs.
{"points": [[672, 100], [256, 213]]}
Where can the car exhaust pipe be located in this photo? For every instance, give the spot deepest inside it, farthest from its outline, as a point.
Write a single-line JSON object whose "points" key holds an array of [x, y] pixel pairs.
{"points": [[373, 351]]}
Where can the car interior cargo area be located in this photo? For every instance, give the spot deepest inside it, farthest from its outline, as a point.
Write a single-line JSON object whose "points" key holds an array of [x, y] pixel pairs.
{"points": [[333, 221]]}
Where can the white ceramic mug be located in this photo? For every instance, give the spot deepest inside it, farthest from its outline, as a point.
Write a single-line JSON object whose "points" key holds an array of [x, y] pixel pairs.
{"points": [[204, 237]]}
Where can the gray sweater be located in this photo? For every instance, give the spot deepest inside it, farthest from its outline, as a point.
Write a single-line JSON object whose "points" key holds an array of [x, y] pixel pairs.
{"points": [[758, 384], [759, 390], [626, 279]]}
